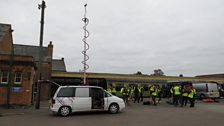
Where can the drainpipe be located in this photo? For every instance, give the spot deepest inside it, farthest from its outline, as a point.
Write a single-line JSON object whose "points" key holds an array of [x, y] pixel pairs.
{"points": [[10, 81]]}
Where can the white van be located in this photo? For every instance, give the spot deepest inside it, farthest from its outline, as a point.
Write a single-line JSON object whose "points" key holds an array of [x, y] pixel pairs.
{"points": [[68, 99], [206, 90]]}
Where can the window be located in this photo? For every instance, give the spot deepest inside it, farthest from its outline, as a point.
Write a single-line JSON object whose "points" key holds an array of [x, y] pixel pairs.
{"points": [[107, 94], [82, 92], [5, 76], [97, 92], [18, 78], [66, 92]]}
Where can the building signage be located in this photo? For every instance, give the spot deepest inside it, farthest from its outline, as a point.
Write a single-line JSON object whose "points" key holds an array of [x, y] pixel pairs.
{"points": [[16, 89]]}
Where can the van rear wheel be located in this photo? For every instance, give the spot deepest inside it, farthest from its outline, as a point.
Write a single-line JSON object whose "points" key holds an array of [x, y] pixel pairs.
{"points": [[114, 108], [65, 111]]}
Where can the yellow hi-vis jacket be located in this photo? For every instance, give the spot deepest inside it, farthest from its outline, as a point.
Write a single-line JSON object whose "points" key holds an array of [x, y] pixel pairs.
{"points": [[124, 91], [154, 91], [109, 90], [113, 90], [194, 90], [171, 90], [176, 90], [185, 93], [191, 94]]}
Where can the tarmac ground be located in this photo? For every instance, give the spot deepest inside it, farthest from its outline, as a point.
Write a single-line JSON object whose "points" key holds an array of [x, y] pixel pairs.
{"points": [[135, 114]]}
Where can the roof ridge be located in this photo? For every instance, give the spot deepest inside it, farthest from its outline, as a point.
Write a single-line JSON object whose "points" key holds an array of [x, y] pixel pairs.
{"points": [[29, 45]]}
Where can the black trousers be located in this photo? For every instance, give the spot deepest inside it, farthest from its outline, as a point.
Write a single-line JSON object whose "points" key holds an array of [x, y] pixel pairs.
{"points": [[141, 96], [154, 100], [125, 97], [176, 99], [192, 102], [184, 101], [159, 96], [136, 97]]}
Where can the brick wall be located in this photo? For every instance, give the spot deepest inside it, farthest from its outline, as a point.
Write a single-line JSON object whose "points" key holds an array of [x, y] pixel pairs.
{"points": [[3, 95], [20, 94], [6, 42]]}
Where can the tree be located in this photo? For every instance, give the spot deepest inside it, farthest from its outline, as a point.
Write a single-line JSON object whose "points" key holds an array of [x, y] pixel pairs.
{"points": [[158, 72], [138, 73]]}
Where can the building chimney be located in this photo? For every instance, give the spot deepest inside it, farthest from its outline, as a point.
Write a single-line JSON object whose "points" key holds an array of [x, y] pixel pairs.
{"points": [[50, 49]]}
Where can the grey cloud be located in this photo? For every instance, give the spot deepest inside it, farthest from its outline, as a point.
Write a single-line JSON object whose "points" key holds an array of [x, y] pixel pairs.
{"points": [[180, 37]]}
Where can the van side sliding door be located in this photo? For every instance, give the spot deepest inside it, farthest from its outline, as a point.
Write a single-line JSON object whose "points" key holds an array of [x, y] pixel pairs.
{"points": [[82, 100], [97, 95]]}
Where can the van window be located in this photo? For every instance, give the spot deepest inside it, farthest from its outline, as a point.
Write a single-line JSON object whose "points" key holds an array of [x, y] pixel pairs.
{"points": [[96, 92], [200, 87], [107, 94], [66, 92], [82, 92]]}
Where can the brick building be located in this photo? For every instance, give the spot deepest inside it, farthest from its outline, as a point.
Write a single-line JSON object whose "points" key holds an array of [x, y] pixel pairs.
{"points": [[28, 50], [58, 65], [18, 67], [17, 72]]}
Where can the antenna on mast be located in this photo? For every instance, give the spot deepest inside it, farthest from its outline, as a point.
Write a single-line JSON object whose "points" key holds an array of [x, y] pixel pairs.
{"points": [[86, 46]]}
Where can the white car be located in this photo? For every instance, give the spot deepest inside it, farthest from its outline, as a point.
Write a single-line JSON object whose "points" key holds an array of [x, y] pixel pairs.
{"points": [[69, 99]]}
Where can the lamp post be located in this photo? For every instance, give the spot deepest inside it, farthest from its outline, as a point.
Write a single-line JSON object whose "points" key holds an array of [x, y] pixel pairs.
{"points": [[39, 71]]}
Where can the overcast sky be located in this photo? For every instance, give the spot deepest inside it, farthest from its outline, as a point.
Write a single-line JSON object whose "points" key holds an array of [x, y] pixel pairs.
{"points": [[178, 36]]}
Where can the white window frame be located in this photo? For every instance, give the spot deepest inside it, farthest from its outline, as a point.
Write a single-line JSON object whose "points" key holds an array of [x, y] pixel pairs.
{"points": [[2, 77], [18, 77]]}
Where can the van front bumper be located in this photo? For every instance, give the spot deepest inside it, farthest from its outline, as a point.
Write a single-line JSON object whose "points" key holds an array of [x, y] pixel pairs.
{"points": [[122, 106]]}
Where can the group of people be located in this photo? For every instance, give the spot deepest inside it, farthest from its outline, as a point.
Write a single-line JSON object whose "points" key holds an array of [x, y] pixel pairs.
{"points": [[132, 93], [135, 93], [179, 95], [182, 95], [129, 93], [155, 92]]}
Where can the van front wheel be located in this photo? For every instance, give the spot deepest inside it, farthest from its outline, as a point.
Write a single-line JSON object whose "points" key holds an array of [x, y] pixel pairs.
{"points": [[64, 111], [114, 108]]}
